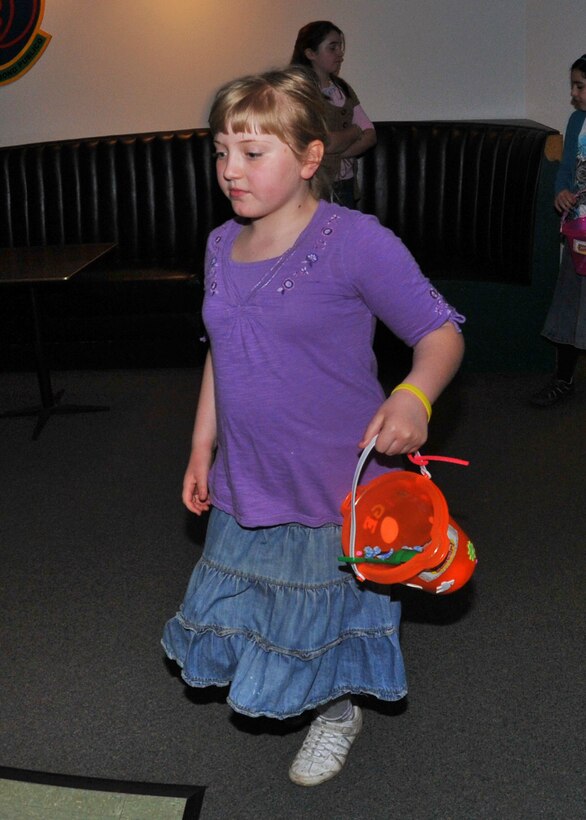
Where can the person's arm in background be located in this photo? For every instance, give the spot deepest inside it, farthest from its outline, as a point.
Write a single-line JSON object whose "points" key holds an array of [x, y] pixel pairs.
{"points": [[366, 138], [565, 197], [339, 142]]}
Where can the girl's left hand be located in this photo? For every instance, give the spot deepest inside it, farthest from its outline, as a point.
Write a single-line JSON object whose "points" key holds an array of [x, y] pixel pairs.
{"points": [[195, 493], [565, 200], [400, 423]]}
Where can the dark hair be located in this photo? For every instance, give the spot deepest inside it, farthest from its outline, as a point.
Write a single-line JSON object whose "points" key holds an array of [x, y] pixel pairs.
{"points": [[580, 65], [312, 36]]}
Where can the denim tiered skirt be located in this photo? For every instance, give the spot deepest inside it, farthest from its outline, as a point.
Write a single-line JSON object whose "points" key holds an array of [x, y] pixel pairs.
{"points": [[273, 614]]}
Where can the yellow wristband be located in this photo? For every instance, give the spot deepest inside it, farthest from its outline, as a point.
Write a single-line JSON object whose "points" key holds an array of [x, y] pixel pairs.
{"points": [[416, 392]]}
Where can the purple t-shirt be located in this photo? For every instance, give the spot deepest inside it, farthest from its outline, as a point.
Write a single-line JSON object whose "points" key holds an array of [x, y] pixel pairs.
{"points": [[294, 370]]}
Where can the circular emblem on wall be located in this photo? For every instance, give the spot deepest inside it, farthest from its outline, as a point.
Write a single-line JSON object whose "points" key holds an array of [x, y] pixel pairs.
{"points": [[21, 40]]}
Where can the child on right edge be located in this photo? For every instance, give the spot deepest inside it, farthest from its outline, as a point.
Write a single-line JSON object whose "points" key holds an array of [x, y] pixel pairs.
{"points": [[565, 324]]}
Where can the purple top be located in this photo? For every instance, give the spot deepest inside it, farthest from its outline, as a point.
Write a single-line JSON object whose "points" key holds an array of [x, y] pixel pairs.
{"points": [[295, 373]]}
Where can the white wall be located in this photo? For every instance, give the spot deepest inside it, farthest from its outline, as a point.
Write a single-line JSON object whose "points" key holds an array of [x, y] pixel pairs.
{"points": [[123, 66], [556, 37], [141, 65]]}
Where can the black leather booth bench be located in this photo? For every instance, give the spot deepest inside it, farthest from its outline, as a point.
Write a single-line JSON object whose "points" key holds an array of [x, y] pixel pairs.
{"points": [[472, 201]]}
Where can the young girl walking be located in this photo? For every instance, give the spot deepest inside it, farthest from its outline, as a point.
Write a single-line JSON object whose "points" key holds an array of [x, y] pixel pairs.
{"points": [[320, 46], [565, 324], [288, 399]]}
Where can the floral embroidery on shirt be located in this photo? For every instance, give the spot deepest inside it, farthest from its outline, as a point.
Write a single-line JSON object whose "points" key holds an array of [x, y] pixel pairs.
{"points": [[312, 258], [444, 308], [212, 272], [304, 268]]}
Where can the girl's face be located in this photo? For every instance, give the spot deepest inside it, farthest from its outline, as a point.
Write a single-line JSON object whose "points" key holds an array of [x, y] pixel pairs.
{"points": [[578, 89], [329, 55], [261, 175]]}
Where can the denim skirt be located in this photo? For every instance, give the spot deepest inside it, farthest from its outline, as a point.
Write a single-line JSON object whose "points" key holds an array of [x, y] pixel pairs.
{"points": [[566, 318], [271, 613]]}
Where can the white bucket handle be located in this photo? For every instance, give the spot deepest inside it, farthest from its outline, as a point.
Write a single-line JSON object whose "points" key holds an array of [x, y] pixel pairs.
{"points": [[357, 472], [363, 456]]}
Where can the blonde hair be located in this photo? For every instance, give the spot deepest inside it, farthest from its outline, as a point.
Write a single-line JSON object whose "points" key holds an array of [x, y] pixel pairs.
{"points": [[285, 103]]}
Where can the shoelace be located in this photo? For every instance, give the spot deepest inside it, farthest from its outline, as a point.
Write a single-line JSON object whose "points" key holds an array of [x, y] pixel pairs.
{"points": [[321, 741]]}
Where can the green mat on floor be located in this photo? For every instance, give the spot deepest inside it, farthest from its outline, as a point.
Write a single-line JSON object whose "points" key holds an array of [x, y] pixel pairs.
{"points": [[27, 794]]}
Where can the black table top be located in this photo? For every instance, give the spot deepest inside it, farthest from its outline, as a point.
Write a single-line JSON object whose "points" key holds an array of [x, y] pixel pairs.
{"points": [[48, 263]]}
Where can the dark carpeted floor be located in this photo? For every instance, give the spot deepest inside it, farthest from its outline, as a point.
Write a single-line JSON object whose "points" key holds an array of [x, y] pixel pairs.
{"points": [[96, 551]]}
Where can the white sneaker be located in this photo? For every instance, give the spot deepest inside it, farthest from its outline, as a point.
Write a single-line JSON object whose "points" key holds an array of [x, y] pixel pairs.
{"points": [[325, 749]]}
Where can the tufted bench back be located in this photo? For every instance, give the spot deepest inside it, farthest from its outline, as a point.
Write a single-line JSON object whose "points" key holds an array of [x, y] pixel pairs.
{"points": [[461, 195], [471, 200], [153, 194]]}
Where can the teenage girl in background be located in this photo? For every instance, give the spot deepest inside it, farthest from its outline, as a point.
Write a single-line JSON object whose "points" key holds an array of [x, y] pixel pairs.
{"points": [[320, 46], [565, 324], [288, 399]]}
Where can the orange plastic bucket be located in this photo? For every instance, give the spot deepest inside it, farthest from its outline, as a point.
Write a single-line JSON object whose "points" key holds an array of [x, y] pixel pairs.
{"points": [[397, 530]]}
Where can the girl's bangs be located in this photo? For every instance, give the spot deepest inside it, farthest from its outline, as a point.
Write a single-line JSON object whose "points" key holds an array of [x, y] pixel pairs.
{"points": [[255, 114], [251, 123]]}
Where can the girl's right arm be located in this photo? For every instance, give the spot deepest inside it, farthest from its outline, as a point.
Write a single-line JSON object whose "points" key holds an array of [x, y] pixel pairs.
{"points": [[195, 482], [367, 137], [340, 141]]}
